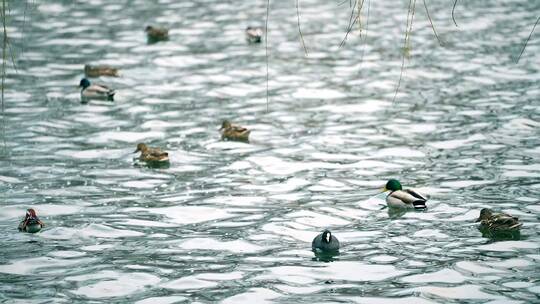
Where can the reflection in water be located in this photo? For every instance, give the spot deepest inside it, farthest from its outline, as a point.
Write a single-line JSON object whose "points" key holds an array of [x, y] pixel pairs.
{"points": [[500, 235], [232, 222], [325, 256]]}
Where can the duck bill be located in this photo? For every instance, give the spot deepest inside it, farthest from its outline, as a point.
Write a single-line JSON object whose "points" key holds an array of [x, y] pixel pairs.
{"points": [[478, 220], [383, 189]]}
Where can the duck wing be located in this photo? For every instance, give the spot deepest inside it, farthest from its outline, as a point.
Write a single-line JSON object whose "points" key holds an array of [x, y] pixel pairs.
{"points": [[156, 154], [406, 199], [238, 129], [416, 194], [503, 221]]}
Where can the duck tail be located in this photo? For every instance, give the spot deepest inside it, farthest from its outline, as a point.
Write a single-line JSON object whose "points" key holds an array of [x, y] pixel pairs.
{"points": [[419, 205], [110, 95]]}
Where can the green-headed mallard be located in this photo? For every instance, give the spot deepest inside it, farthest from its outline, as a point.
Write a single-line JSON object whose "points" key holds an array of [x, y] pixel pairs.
{"points": [[497, 221], [149, 154], [233, 132], [31, 223], [254, 34], [95, 91], [155, 34], [400, 198], [99, 70], [325, 242]]}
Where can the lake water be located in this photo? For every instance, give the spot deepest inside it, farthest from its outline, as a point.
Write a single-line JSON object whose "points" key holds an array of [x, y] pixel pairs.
{"points": [[233, 222]]}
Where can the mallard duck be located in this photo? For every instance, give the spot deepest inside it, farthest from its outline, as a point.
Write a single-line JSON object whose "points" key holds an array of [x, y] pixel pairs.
{"points": [[325, 242], [233, 132], [95, 91], [156, 33], [31, 223], [497, 221], [254, 34], [399, 198], [99, 70], [149, 154]]}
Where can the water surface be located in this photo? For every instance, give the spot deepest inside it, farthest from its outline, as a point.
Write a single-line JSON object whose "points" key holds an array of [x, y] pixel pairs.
{"points": [[233, 222]]}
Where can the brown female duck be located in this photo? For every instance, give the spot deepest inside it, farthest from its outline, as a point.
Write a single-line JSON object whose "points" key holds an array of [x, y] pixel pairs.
{"points": [[155, 34], [149, 154], [233, 132], [494, 221]]}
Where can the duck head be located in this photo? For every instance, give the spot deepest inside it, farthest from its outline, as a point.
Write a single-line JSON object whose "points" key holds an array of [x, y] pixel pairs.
{"points": [[141, 147], [485, 214], [392, 185], [148, 28], [326, 236], [85, 83], [30, 214], [32, 223], [225, 124]]}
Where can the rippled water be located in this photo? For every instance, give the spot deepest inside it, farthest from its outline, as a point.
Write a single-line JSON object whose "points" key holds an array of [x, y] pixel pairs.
{"points": [[233, 222]]}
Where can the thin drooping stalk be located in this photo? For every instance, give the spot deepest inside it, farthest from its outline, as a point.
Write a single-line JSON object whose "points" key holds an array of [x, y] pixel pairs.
{"points": [[527, 41], [360, 18], [453, 11], [366, 35], [4, 59], [432, 26], [299, 29], [352, 20], [266, 51], [406, 43]]}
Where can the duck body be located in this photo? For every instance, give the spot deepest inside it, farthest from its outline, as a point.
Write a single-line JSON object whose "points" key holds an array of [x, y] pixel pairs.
{"points": [[254, 34], [95, 91], [155, 34], [99, 70], [403, 198], [149, 154], [31, 223], [233, 132], [498, 222], [325, 242]]}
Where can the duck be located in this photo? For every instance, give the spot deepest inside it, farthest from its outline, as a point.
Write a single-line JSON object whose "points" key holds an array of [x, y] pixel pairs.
{"points": [[233, 132], [31, 223], [254, 34], [325, 242], [95, 91], [495, 221], [403, 198], [155, 34], [99, 70], [150, 154]]}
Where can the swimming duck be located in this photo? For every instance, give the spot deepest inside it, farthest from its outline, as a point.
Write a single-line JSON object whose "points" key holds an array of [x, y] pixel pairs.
{"points": [[149, 154], [399, 198], [95, 91], [497, 221], [155, 34], [254, 34], [233, 132], [31, 223], [99, 70], [325, 242]]}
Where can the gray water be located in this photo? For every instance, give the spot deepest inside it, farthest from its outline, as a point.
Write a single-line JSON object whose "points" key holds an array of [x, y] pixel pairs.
{"points": [[233, 222]]}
